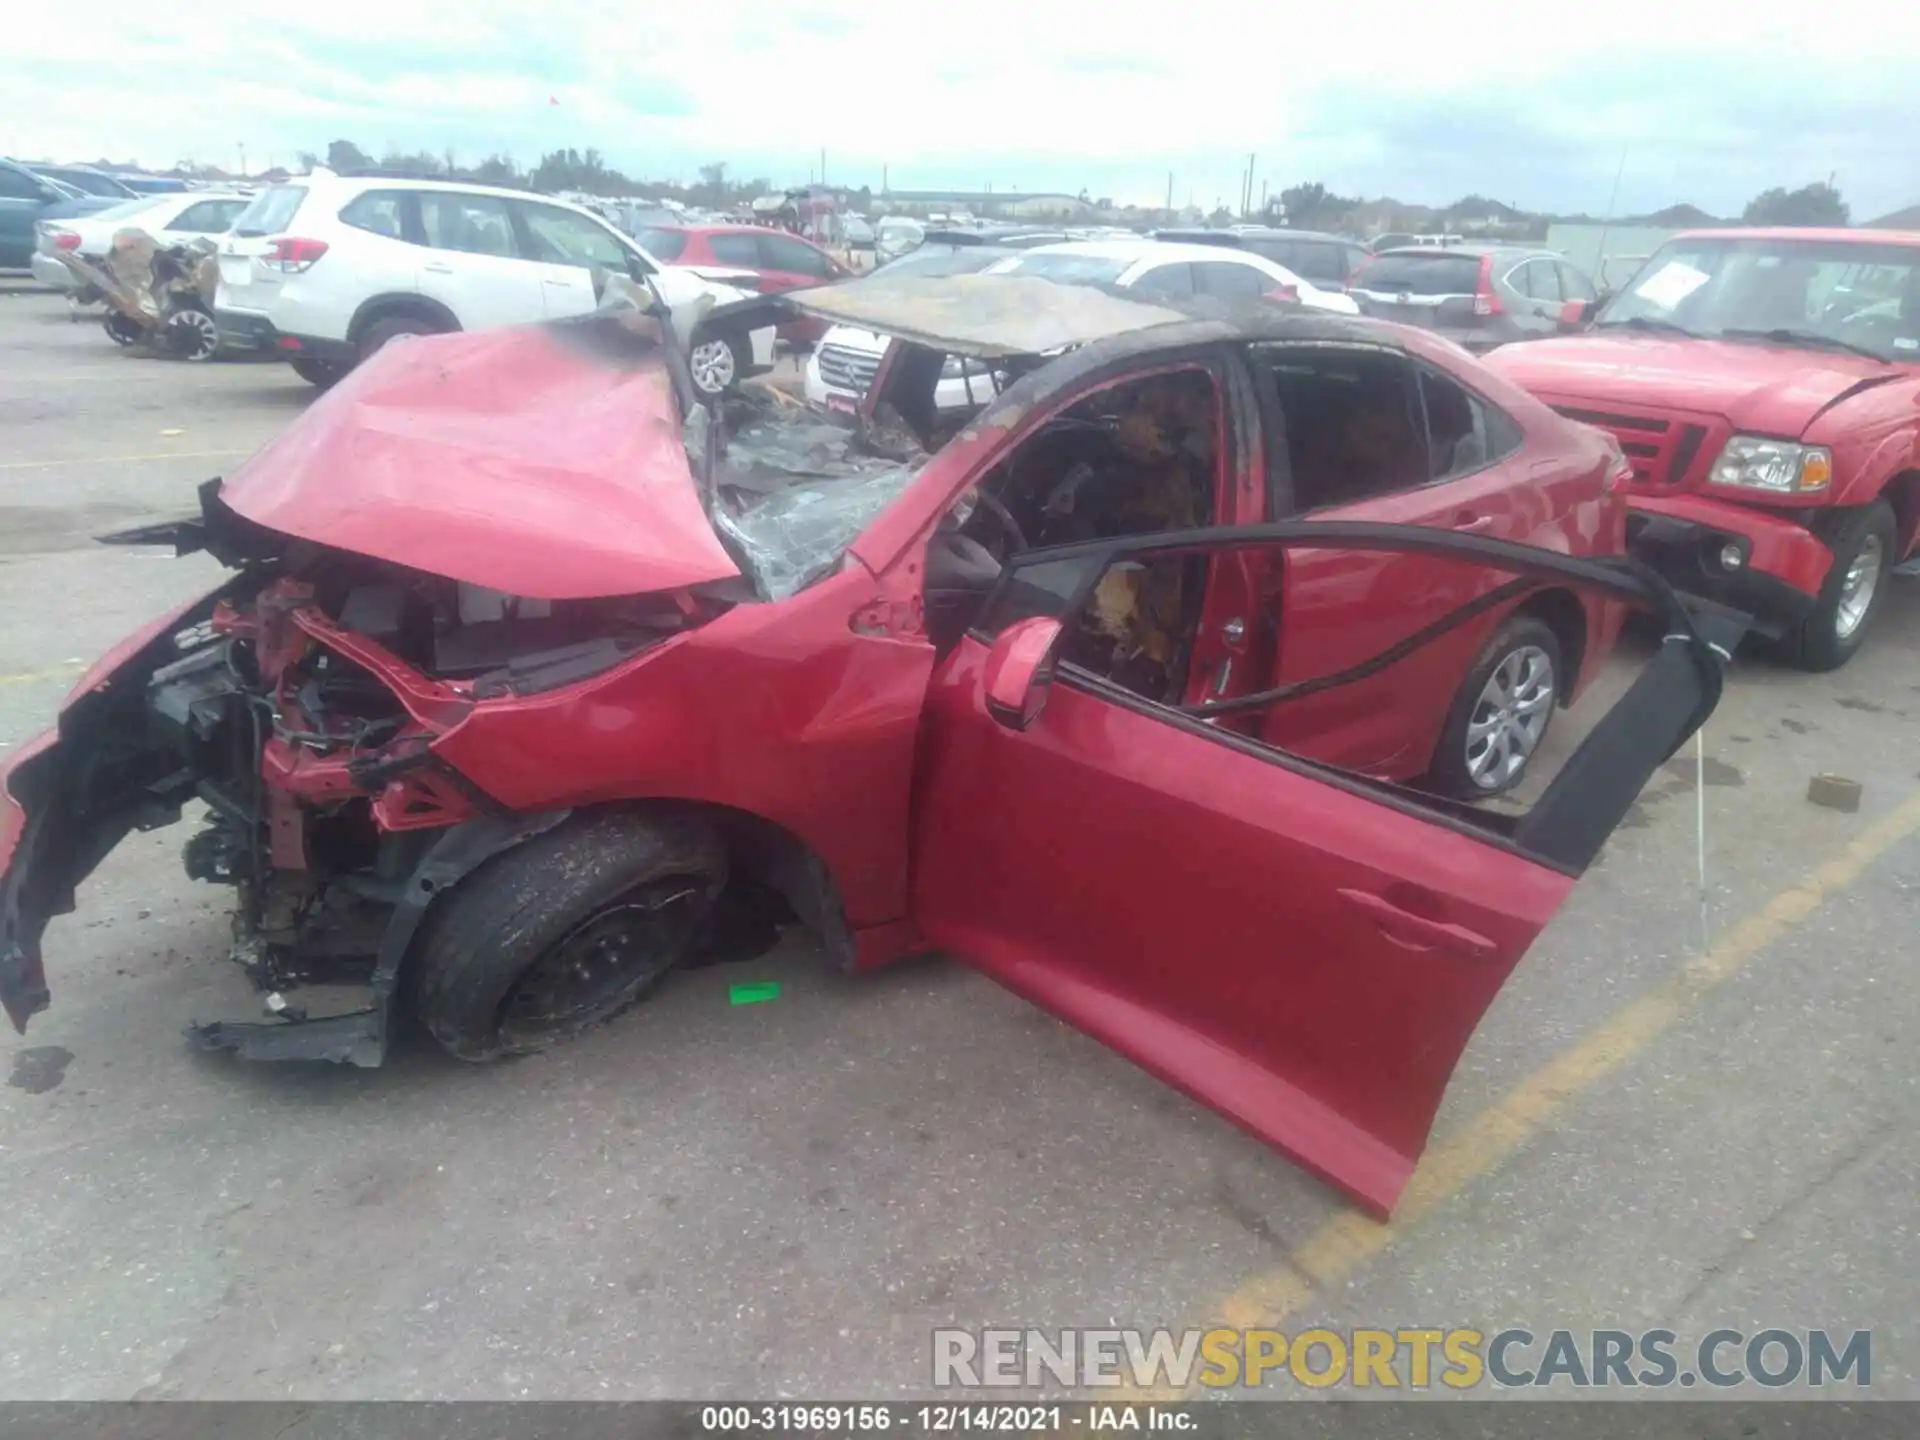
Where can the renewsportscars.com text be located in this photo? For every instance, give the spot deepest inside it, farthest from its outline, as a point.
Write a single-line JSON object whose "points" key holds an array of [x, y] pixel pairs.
{"points": [[1412, 1359]]}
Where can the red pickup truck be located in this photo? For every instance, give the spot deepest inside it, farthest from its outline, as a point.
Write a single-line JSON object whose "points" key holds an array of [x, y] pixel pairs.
{"points": [[1765, 385]]}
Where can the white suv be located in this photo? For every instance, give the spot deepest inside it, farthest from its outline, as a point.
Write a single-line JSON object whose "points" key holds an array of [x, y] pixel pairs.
{"points": [[325, 269]]}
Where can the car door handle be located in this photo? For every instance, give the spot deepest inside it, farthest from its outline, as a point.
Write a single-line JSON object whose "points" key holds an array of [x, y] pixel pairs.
{"points": [[1473, 524], [559, 284], [438, 269], [1416, 932]]}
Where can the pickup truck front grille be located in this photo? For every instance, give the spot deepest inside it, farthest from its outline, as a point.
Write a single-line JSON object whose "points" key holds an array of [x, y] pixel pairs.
{"points": [[847, 369], [1662, 452]]}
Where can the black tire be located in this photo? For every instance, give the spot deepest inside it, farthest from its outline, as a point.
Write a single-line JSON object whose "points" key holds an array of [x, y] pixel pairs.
{"points": [[561, 911], [1454, 771], [381, 331], [121, 330], [192, 335], [739, 360], [321, 373], [1824, 641]]}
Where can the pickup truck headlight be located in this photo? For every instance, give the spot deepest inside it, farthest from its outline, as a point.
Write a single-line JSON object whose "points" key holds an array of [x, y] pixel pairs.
{"points": [[1777, 466]]}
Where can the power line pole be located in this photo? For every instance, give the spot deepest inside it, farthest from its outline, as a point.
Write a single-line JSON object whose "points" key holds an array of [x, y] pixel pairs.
{"points": [[1169, 192]]}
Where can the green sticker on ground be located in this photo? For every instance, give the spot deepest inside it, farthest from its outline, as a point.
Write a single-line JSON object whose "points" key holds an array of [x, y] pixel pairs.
{"points": [[755, 993]]}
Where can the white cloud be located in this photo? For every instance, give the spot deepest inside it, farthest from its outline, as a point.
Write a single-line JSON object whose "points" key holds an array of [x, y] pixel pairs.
{"points": [[1502, 97]]}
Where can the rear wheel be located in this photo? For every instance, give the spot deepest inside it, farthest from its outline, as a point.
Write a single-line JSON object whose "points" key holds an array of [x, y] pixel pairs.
{"points": [[1862, 542], [319, 372], [391, 328], [564, 931], [1501, 712]]}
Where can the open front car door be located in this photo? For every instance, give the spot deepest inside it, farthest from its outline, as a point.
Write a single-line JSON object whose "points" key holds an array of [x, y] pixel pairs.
{"points": [[1302, 949]]}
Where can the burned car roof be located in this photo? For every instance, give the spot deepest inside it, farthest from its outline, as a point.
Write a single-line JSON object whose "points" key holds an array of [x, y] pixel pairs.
{"points": [[996, 316]]}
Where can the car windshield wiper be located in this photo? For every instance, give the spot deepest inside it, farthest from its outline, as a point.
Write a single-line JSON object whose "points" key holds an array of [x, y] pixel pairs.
{"points": [[1645, 322], [1786, 335]]}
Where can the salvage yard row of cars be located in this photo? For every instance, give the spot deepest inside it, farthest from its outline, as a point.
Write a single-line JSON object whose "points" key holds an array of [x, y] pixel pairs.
{"points": [[1087, 604]]}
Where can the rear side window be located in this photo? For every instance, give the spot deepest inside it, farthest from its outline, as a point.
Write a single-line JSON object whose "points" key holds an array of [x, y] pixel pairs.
{"points": [[1574, 284], [87, 183], [379, 212], [796, 258], [272, 211], [1318, 260], [1538, 280], [1080, 270], [742, 250], [663, 245], [1464, 432], [1223, 277], [1432, 272], [1168, 280], [472, 224]]}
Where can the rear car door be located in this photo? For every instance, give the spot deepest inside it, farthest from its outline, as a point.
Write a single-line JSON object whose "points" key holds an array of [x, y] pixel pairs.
{"points": [[573, 253], [473, 262], [1303, 952], [1374, 435], [1172, 280]]}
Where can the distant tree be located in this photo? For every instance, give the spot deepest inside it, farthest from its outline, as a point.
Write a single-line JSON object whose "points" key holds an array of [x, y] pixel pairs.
{"points": [[1815, 204], [497, 170], [308, 159], [345, 155], [1312, 206]]}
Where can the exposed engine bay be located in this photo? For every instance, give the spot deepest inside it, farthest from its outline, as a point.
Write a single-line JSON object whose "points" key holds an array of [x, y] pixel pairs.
{"points": [[299, 704]]}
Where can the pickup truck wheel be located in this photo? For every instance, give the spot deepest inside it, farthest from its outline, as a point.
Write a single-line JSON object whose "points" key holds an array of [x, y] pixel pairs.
{"points": [[1862, 542], [1501, 712], [718, 362], [564, 931]]}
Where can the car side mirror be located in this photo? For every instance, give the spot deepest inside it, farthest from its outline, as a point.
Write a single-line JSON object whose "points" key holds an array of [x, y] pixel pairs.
{"points": [[1019, 671], [1575, 315]]}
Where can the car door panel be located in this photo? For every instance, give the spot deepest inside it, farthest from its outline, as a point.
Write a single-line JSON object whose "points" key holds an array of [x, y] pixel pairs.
{"points": [[1338, 607], [1304, 954], [472, 264]]}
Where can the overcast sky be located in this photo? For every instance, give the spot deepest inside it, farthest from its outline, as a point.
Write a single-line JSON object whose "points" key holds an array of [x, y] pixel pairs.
{"points": [[1534, 104]]}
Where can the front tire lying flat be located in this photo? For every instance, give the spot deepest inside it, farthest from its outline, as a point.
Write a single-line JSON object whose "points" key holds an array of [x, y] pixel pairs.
{"points": [[564, 931]]}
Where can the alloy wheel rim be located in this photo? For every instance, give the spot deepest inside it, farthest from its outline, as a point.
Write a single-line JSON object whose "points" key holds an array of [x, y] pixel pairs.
{"points": [[1859, 588], [199, 336], [1509, 717], [712, 366]]}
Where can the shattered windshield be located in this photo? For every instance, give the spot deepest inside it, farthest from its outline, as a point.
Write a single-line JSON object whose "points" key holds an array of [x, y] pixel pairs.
{"points": [[1821, 294], [792, 486]]}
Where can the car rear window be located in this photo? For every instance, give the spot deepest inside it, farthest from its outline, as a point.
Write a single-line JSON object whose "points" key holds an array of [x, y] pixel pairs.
{"points": [[1070, 269], [1437, 273], [272, 210], [663, 245]]}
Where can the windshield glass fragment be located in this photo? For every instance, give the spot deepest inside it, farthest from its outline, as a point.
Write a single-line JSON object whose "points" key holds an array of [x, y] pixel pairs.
{"points": [[793, 486]]}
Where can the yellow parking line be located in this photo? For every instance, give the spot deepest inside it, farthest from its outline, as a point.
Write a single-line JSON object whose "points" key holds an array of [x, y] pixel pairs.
{"points": [[120, 459], [1349, 1239], [34, 677]]}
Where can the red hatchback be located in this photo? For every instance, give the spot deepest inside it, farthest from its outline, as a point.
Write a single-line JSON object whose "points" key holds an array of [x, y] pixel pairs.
{"points": [[775, 260], [496, 739]]}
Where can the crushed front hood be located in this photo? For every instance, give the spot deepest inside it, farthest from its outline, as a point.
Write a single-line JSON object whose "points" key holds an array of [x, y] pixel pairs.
{"points": [[541, 460], [1769, 389]]}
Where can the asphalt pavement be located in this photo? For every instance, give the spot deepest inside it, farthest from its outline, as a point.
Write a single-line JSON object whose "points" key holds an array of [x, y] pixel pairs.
{"points": [[1671, 1118]]}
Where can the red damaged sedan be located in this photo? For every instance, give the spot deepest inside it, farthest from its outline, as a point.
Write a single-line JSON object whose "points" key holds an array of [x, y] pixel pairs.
{"points": [[525, 654]]}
